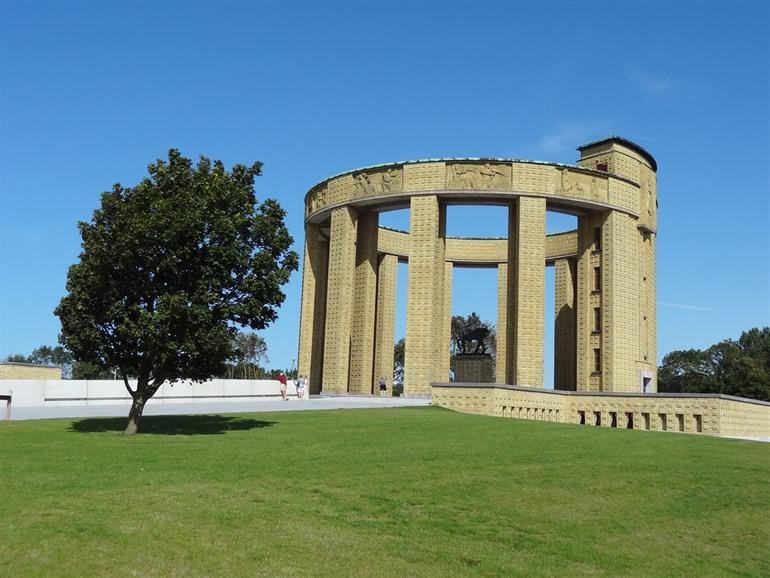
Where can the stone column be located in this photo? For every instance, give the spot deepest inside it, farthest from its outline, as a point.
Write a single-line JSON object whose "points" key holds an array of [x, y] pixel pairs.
{"points": [[424, 294], [588, 298], [526, 292], [620, 262], [445, 329], [565, 325], [385, 331], [648, 345], [339, 300], [502, 323], [364, 303], [313, 312]]}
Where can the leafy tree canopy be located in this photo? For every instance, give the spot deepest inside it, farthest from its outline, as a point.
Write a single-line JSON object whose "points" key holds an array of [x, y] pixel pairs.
{"points": [[169, 269], [740, 368], [60, 357], [249, 356], [399, 355]]}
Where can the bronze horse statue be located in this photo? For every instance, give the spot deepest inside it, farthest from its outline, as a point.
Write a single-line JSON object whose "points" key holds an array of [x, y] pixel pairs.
{"points": [[469, 339]]}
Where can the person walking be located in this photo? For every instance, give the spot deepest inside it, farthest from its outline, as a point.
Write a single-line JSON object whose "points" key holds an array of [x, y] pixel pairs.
{"points": [[383, 387], [283, 381]]}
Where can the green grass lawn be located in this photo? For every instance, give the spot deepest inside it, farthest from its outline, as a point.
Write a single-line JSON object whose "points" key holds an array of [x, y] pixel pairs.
{"points": [[382, 492]]}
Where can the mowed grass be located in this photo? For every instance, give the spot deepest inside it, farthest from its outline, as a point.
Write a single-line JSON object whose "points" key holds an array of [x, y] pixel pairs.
{"points": [[384, 492]]}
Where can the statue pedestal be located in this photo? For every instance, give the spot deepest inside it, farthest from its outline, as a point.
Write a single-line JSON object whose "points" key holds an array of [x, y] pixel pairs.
{"points": [[474, 368]]}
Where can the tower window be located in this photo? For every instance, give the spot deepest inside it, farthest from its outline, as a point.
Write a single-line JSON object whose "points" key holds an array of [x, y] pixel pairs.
{"points": [[597, 278], [601, 166], [597, 238], [597, 360], [597, 319]]}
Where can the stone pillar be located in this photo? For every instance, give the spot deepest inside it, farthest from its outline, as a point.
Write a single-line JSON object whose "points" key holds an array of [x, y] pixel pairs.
{"points": [[313, 312], [620, 262], [648, 345], [424, 294], [339, 300], [588, 298], [445, 330], [526, 292], [502, 323], [565, 325], [364, 304], [628, 296], [385, 331]]}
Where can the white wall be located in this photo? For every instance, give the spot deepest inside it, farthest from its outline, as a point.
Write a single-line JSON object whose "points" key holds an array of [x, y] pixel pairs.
{"points": [[62, 392]]}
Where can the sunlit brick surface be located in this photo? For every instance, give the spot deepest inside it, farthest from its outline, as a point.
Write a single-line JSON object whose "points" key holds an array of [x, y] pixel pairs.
{"points": [[605, 319], [694, 413]]}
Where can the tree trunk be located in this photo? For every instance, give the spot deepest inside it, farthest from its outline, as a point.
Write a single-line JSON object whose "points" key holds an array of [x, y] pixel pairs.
{"points": [[144, 391], [137, 407]]}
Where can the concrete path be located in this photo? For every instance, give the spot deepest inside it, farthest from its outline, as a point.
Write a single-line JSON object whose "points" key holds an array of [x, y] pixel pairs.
{"points": [[266, 405]]}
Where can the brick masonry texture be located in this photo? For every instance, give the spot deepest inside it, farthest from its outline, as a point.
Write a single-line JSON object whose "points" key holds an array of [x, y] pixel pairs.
{"points": [[385, 321], [339, 300], [696, 414], [478, 251], [27, 371], [313, 311], [526, 291], [424, 294], [565, 330], [501, 365], [364, 304], [350, 268]]}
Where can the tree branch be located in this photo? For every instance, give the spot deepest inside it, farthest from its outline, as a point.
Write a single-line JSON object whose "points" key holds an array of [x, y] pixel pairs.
{"points": [[125, 382]]}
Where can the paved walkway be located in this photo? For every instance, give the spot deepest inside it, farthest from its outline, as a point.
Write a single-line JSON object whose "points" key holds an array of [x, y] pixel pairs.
{"points": [[255, 406]]}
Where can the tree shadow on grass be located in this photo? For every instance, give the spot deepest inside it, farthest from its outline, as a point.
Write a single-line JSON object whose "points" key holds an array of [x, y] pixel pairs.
{"points": [[172, 424]]}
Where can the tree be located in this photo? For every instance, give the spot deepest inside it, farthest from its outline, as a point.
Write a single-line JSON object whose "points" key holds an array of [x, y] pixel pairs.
{"points": [[399, 355], [250, 353], [87, 370], [740, 368], [17, 358], [169, 269], [57, 355]]}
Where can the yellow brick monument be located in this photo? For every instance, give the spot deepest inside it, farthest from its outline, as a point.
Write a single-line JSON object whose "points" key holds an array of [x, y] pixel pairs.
{"points": [[604, 301], [605, 270]]}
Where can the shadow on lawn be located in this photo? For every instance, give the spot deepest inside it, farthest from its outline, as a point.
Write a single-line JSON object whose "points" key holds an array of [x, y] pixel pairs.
{"points": [[172, 424]]}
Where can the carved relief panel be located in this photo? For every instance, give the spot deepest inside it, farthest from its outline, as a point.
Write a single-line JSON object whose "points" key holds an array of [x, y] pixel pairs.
{"points": [[585, 186], [317, 198], [377, 182], [479, 176]]}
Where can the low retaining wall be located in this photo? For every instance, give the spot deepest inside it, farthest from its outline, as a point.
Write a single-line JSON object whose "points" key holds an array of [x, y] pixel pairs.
{"points": [[692, 413], [63, 392]]}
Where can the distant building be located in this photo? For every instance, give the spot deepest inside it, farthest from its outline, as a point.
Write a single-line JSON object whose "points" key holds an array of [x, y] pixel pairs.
{"points": [[12, 370]]}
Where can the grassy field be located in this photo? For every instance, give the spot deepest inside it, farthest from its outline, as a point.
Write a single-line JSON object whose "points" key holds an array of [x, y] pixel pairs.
{"points": [[385, 492]]}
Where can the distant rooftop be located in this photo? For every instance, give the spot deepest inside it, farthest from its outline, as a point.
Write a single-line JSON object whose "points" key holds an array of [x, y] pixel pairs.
{"points": [[18, 363]]}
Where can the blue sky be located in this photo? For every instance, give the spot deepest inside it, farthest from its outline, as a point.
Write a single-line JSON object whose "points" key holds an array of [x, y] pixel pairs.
{"points": [[91, 92]]}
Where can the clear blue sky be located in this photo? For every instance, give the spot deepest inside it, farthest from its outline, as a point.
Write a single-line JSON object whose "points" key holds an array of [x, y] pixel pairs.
{"points": [[90, 92]]}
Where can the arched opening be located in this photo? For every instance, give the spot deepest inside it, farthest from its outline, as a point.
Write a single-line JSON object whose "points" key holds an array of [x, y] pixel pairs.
{"points": [[475, 293]]}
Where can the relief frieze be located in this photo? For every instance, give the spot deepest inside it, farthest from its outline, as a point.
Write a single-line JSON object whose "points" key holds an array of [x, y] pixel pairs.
{"points": [[368, 183], [576, 184], [478, 176], [317, 198]]}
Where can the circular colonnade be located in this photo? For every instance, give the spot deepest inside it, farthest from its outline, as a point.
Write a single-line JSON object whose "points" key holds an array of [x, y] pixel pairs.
{"points": [[604, 282]]}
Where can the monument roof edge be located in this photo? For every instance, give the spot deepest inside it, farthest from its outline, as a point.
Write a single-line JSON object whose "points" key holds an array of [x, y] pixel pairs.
{"points": [[624, 141], [472, 159]]}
